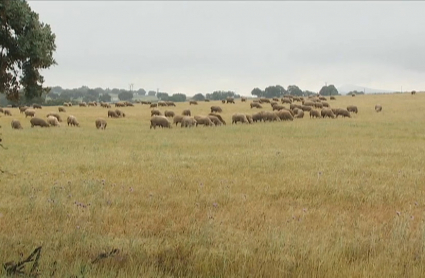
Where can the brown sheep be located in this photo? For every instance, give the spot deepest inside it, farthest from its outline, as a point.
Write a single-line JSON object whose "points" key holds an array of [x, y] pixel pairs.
{"points": [[332, 98], [257, 117], [187, 121], [186, 113], [71, 120], [203, 120], [314, 114], [120, 113], [219, 117], [243, 99], [170, 103], [278, 107], [61, 109], [112, 114], [193, 102], [100, 123], [230, 100], [82, 104], [249, 118], [322, 98], [275, 99], [56, 115], [38, 122], [326, 112], [168, 113], [284, 115], [153, 105], [53, 121], [223, 101], [270, 116], [300, 114], [16, 124], [161, 103], [7, 112], [378, 108], [156, 112], [207, 100], [306, 108], [161, 121], [215, 120], [29, 112], [325, 104], [36, 106], [256, 105], [352, 108], [216, 109], [22, 109], [177, 119], [292, 106], [239, 118], [1, 110], [264, 100], [413, 93], [344, 113], [286, 100]]}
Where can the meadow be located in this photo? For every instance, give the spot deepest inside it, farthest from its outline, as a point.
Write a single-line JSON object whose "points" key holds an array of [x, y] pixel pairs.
{"points": [[338, 197]]}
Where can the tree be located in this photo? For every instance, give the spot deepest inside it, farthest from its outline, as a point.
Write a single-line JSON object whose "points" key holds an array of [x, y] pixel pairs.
{"points": [[177, 97], [105, 97], [219, 95], [294, 90], [151, 93], [125, 95], [355, 92], [198, 97], [141, 92], [274, 91], [27, 45], [257, 92], [309, 93], [162, 96], [328, 91]]}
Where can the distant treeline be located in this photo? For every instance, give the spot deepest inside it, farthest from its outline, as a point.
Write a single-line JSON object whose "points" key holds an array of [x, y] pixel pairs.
{"points": [[58, 95]]}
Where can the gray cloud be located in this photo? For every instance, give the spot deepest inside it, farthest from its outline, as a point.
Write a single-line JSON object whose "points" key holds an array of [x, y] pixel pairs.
{"points": [[201, 46]]}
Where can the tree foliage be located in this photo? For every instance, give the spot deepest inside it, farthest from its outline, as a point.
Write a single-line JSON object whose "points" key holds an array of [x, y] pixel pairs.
{"points": [[27, 46], [125, 95], [141, 92], [177, 97], [294, 90], [219, 95], [151, 93], [198, 97], [329, 90], [269, 92], [105, 97], [162, 96], [355, 92]]}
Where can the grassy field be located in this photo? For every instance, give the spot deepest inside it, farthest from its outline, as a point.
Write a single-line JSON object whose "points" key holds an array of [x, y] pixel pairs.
{"points": [[308, 198]]}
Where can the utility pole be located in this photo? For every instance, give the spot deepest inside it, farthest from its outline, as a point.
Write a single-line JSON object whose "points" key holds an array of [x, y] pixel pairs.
{"points": [[131, 87]]}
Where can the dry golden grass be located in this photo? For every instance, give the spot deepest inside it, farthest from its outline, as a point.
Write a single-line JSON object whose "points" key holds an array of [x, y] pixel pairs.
{"points": [[308, 198]]}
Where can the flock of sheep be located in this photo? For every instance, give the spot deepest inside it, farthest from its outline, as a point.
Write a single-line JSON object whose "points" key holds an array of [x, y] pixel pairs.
{"points": [[298, 106]]}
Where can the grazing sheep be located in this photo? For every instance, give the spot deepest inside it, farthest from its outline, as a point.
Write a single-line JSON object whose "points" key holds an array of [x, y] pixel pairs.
{"points": [[156, 112], [326, 112], [53, 121], [256, 105], [230, 100], [112, 114], [193, 102], [378, 108], [100, 123], [257, 116], [352, 108], [264, 100], [16, 124], [161, 121], [293, 106], [82, 104], [243, 99], [161, 103], [332, 98], [1, 110], [38, 122], [413, 93], [56, 115], [61, 109], [249, 118], [71, 120], [170, 103], [284, 115], [271, 116], [153, 105], [186, 113], [322, 98], [177, 119], [278, 107], [216, 109], [300, 114], [344, 113], [325, 104], [314, 114], [188, 121], [238, 117], [36, 106], [22, 109], [286, 100], [7, 112], [216, 121], [306, 108], [29, 112], [207, 100], [219, 117], [120, 113], [223, 101], [168, 113], [203, 120]]}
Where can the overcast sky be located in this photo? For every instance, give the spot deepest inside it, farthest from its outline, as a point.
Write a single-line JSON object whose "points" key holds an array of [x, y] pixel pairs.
{"points": [[199, 47]]}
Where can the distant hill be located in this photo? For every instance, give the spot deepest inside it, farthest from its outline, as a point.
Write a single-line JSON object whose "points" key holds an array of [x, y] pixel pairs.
{"points": [[348, 88]]}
